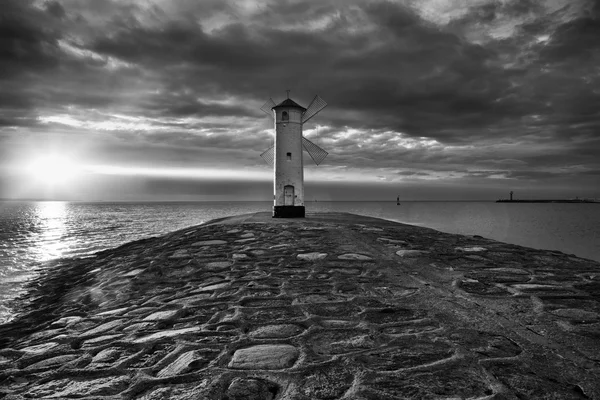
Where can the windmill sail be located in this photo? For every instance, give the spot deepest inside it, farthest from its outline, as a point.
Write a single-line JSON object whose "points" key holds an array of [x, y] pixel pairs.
{"points": [[267, 107], [313, 109], [269, 155], [315, 152]]}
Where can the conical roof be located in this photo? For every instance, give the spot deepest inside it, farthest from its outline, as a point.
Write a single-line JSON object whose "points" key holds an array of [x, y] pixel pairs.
{"points": [[289, 103]]}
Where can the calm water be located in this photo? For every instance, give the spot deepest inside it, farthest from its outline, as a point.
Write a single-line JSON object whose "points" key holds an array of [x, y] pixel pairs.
{"points": [[32, 233]]}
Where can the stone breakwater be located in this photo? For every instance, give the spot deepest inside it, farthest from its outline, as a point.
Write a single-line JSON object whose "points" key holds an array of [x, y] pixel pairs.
{"points": [[336, 306]]}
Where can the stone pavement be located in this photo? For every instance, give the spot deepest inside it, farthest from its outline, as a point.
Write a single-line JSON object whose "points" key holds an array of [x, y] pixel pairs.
{"points": [[336, 306]]}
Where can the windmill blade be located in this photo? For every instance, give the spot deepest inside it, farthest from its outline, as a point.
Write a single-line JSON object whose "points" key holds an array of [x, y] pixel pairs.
{"points": [[315, 152], [267, 107], [269, 155], [313, 109]]}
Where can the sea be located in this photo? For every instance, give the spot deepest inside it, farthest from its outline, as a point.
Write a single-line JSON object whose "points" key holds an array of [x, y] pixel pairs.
{"points": [[34, 234]]}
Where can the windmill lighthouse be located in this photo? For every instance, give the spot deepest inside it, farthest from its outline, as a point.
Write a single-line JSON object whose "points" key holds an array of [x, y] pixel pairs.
{"points": [[286, 154]]}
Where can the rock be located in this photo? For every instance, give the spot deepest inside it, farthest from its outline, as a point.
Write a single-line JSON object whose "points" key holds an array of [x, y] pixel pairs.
{"points": [[251, 389], [166, 334], [65, 321], [265, 356], [106, 355], [101, 339], [113, 312], [180, 366], [276, 331], [54, 361], [247, 235], [162, 315], [75, 388], [135, 272], [354, 256], [576, 314], [181, 253], [217, 265], [245, 240], [103, 328], [40, 348], [312, 256], [471, 249], [215, 286], [409, 253], [209, 242]]}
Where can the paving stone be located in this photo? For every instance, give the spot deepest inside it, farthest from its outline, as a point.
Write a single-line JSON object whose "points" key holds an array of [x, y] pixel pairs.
{"points": [[162, 315], [209, 242], [409, 253], [186, 362], [113, 312], [312, 256], [215, 287], [576, 314], [40, 348], [237, 256], [276, 331], [166, 334], [74, 388], [65, 321], [354, 256], [471, 249], [251, 389], [134, 272], [106, 355], [264, 356], [53, 361], [101, 339], [103, 328], [181, 253]]}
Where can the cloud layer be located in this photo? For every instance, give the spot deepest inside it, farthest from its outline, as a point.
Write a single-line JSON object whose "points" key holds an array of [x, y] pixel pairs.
{"points": [[488, 92]]}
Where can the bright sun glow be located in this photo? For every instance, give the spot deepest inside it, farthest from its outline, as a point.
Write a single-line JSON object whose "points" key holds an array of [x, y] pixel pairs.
{"points": [[52, 169]]}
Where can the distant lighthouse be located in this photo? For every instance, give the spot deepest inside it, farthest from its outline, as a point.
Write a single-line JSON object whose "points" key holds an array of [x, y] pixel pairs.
{"points": [[286, 154]]}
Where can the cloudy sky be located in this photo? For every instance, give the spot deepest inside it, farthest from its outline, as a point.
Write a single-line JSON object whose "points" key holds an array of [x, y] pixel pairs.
{"points": [[428, 99]]}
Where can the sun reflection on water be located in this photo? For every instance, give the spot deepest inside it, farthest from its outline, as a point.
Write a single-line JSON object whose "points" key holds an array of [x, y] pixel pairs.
{"points": [[52, 216]]}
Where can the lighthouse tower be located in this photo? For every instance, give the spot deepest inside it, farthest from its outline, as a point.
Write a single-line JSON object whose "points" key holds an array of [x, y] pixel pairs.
{"points": [[286, 154]]}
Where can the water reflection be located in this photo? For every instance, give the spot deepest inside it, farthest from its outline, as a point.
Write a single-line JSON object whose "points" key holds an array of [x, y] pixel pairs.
{"points": [[51, 217]]}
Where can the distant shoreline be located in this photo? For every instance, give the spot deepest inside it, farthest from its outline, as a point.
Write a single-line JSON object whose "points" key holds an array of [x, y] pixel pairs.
{"points": [[548, 201]]}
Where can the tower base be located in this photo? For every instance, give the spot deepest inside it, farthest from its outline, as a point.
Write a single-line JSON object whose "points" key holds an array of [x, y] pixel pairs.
{"points": [[288, 211]]}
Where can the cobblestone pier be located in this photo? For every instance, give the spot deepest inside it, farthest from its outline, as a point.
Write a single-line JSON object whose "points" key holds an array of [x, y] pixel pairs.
{"points": [[335, 306]]}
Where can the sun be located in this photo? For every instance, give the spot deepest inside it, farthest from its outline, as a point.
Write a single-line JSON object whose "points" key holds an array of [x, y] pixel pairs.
{"points": [[52, 169]]}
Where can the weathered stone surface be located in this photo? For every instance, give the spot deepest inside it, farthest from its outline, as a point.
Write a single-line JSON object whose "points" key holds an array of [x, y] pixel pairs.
{"points": [[264, 356], [312, 256], [430, 315]]}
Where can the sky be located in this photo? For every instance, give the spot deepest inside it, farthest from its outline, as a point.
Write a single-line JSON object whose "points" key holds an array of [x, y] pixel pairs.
{"points": [[154, 100]]}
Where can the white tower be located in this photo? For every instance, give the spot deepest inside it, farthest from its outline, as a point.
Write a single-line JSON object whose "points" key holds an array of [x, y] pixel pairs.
{"points": [[286, 154]]}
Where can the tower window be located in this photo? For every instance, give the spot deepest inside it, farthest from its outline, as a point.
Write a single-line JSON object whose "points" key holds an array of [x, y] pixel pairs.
{"points": [[285, 116], [289, 156]]}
